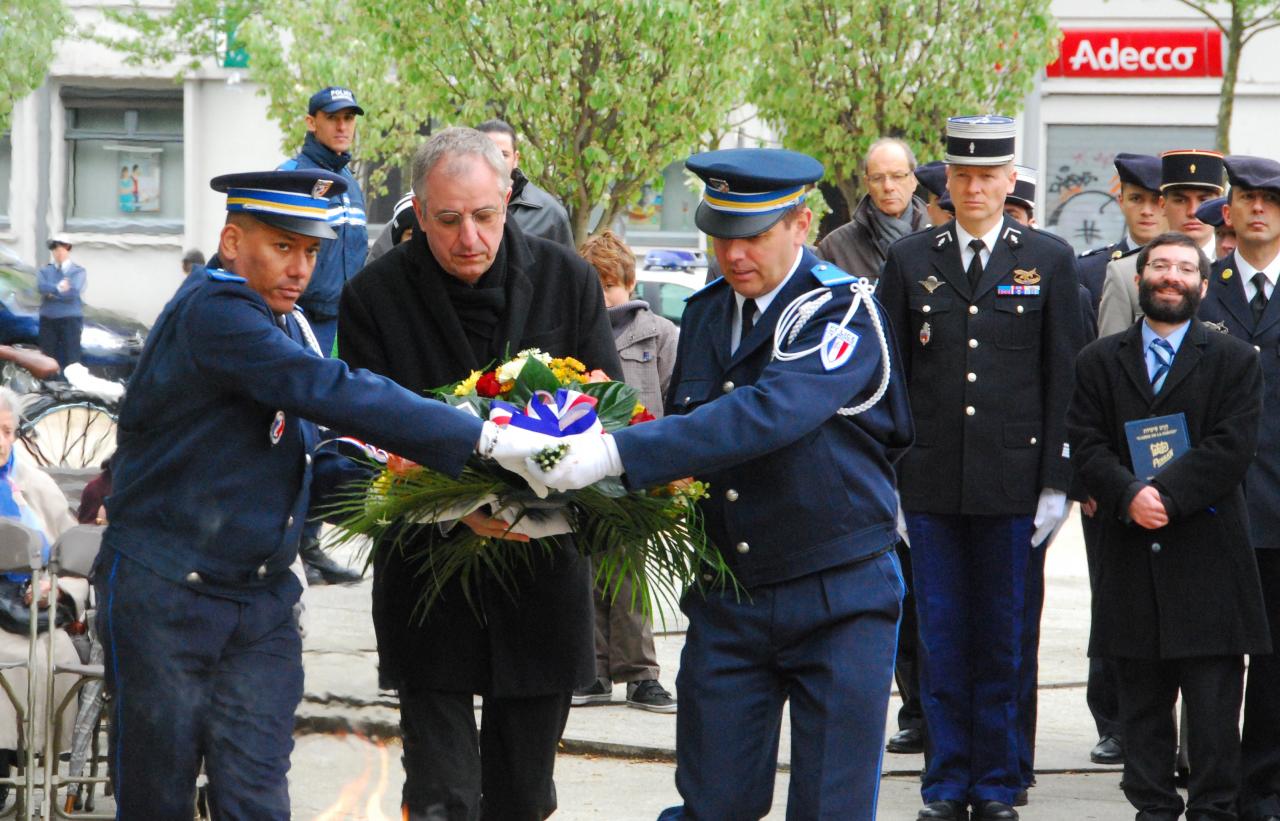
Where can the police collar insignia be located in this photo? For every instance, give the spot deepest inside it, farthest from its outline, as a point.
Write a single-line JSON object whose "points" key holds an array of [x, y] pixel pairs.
{"points": [[942, 239], [277, 428], [1116, 254], [838, 343], [926, 333], [931, 283], [321, 188], [1013, 236], [1025, 277]]}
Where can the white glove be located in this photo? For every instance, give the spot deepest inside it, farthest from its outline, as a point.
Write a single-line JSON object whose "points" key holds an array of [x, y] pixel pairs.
{"points": [[902, 522], [1051, 511], [591, 457], [511, 447]]}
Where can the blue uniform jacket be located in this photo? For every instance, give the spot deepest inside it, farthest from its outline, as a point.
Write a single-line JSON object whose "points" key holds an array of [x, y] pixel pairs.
{"points": [[1226, 307], [216, 455], [340, 259], [795, 487], [53, 303]]}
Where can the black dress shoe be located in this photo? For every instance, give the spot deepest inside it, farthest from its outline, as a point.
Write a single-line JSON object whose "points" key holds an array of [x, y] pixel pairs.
{"points": [[321, 569], [908, 742], [943, 811], [1107, 751], [1021, 799], [994, 811]]}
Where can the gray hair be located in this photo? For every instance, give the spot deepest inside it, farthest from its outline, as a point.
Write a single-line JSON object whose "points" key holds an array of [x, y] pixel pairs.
{"points": [[12, 401], [881, 143], [450, 145]]}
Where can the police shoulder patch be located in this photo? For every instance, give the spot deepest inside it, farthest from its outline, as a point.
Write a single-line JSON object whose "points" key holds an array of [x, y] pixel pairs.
{"points": [[223, 276], [830, 275]]}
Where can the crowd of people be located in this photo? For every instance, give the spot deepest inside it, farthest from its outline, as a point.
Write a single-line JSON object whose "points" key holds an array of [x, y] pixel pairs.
{"points": [[893, 424]]}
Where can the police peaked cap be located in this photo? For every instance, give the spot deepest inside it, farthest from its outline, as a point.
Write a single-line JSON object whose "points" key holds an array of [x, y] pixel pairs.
{"points": [[749, 189], [933, 176], [1191, 168], [1142, 170], [296, 201], [1210, 212]]}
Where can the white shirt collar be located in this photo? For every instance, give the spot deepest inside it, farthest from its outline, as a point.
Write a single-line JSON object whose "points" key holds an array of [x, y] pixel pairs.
{"points": [[988, 239], [1247, 272]]}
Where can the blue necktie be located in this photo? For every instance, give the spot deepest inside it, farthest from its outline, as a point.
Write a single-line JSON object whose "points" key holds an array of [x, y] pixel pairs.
{"points": [[1162, 353]]}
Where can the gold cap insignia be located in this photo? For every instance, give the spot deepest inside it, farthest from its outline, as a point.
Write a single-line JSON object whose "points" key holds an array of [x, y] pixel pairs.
{"points": [[718, 185], [1193, 168], [321, 188], [1026, 277], [1226, 275]]}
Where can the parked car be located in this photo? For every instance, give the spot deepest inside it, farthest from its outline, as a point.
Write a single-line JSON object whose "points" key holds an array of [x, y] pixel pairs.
{"points": [[111, 343], [674, 259], [666, 291]]}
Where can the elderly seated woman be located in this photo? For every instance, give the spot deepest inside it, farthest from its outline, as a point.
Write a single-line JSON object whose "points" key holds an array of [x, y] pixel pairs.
{"points": [[30, 496]]}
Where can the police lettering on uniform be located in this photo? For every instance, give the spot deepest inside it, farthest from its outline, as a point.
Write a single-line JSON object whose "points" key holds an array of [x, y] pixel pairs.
{"points": [[787, 398], [1240, 299], [987, 316], [213, 480]]}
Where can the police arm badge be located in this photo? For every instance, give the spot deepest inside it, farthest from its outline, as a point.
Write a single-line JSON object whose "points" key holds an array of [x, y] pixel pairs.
{"points": [[838, 343]]}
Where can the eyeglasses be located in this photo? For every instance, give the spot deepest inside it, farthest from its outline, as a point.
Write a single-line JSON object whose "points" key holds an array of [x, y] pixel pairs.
{"points": [[881, 179], [1163, 266], [482, 217]]}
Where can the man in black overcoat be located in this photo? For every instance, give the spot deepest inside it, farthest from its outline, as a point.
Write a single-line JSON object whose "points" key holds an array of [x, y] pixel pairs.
{"points": [[1178, 601], [467, 289]]}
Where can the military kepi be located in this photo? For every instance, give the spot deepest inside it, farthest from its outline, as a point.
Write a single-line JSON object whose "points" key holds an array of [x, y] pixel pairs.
{"points": [[985, 139], [296, 201], [1024, 188], [1142, 170], [1192, 168], [1258, 173], [750, 189]]}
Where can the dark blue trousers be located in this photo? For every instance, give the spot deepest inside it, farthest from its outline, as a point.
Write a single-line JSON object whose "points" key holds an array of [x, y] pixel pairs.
{"points": [[195, 677], [970, 574], [826, 641], [1029, 669]]}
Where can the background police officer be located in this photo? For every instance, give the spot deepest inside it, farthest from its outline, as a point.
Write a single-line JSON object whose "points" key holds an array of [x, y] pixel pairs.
{"points": [[213, 477], [1188, 178], [1239, 298], [802, 506], [1139, 201], [987, 315]]}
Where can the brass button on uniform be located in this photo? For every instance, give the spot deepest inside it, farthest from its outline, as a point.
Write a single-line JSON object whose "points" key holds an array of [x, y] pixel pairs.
{"points": [[970, 411], [262, 571], [1155, 547], [307, 458], [926, 309], [1033, 440], [743, 547], [973, 343], [973, 310], [194, 578], [289, 523], [973, 377], [1019, 309], [1257, 348], [731, 495], [727, 386]]}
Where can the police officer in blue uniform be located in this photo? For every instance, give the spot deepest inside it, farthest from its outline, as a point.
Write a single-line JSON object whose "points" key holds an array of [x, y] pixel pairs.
{"points": [[987, 314], [215, 472], [1139, 201], [1224, 234], [801, 505], [1241, 300]]}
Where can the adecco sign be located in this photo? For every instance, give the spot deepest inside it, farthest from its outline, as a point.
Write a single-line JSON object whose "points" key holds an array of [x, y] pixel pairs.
{"points": [[1144, 53]]}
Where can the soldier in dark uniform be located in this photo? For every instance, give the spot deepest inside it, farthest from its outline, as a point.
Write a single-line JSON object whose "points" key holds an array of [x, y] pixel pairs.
{"points": [[1240, 299], [932, 177], [802, 504], [1139, 200], [1224, 235], [987, 314], [213, 478]]}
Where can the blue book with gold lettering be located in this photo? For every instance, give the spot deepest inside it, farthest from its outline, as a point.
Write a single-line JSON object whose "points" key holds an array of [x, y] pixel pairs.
{"points": [[1156, 442]]}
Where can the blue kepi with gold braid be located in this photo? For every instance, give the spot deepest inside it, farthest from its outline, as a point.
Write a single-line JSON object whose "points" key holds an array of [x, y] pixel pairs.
{"points": [[750, 189], [296, 201]]}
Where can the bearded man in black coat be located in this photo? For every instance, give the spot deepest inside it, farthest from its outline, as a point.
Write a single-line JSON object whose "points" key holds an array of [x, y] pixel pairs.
{"points": [[469, 289]]}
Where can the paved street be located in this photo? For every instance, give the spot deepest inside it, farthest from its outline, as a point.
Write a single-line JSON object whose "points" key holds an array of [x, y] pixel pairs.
{"points": [[617, 761]]}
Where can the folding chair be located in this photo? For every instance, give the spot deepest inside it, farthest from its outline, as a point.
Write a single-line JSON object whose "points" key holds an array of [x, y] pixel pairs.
{"points": [[20, 552], [72, 556]]}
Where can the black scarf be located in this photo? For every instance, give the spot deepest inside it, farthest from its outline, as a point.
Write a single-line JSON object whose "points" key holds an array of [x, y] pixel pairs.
{"points": [[479, 307]]}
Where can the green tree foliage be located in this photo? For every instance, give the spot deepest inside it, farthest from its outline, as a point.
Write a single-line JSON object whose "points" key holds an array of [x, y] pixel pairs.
{"points": [[29, 31], [1248, 18], [835, 75], [189, 36], [603, 93]]}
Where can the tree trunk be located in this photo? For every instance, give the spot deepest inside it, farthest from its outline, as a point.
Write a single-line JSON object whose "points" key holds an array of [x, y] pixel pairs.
{"points": [[1227, 98], [579, 218], [851, 191]]}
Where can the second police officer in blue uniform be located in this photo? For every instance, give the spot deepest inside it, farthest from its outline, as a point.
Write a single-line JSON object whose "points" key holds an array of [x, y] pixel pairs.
{"points": [[801, 505], [987, 314], [214, 476]]}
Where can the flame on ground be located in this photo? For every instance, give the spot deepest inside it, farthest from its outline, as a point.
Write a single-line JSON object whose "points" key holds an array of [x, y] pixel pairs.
{"points": [[357, 801]]}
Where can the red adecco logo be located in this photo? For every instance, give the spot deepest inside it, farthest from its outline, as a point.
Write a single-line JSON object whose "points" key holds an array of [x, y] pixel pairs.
{"points": [[1146, 53]]}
